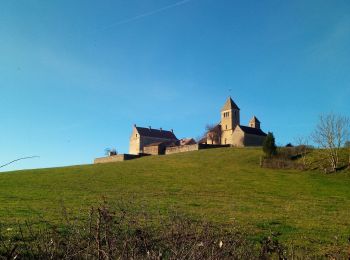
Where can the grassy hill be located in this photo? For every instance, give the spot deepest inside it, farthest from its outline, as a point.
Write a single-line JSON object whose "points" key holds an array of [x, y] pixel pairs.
{"points": [[221, 185]]}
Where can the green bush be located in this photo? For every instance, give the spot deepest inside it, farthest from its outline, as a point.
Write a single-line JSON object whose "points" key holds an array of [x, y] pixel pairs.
{"points": [[269, 146]]}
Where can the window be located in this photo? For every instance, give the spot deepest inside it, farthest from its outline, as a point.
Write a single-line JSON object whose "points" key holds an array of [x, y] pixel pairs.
{"points": [[136, 135], [226, 127]]}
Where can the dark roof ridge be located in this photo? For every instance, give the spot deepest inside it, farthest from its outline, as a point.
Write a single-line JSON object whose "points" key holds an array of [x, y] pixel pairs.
{"points": [[252, 130], [229, 104], [156, 133]]}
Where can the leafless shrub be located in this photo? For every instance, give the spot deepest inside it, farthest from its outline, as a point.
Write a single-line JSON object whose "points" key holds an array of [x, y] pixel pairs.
{"points": [[213, 133], [288, 158], [303, 148], [281, 163], [330, 134], [123, 233]]}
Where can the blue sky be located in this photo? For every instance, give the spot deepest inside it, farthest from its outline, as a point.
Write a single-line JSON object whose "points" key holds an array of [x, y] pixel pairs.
{"points": [[76, 75]]}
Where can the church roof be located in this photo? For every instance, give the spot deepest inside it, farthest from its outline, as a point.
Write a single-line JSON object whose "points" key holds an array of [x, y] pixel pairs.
{"points": [[229, 105], [156, 133], [252, 131]]}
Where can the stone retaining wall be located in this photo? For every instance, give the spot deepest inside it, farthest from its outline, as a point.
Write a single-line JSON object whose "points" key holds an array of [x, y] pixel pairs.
{"points": [[181, 148], [168, 150], [192, 147], [116, 158]]}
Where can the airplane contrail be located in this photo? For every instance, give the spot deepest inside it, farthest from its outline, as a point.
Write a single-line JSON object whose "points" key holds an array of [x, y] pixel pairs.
{"points": [[140, 16], [24, 158]]}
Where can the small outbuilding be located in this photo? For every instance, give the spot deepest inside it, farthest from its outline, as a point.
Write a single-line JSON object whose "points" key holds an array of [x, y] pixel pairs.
{"points": [[158, 148]]}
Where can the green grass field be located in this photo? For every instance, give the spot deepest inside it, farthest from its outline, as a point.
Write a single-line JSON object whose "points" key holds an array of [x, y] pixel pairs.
{"points": [[225, 185]]}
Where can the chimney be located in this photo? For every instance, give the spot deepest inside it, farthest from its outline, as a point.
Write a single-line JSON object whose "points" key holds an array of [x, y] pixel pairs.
{"points": [[150, 128], [172, 130], [160, 129], [134, 125]]}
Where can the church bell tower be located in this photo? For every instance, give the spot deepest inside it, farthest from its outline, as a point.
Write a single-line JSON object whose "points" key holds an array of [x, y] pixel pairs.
{"points": [[254, 123], [230, 117]]}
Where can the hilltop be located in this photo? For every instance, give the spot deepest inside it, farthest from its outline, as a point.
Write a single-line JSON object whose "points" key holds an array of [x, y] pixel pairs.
{"points": [[223, 185]]}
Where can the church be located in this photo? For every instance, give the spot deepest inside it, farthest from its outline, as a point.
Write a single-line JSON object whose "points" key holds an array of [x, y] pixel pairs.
{"points": [[230, 131], [147, 140]]}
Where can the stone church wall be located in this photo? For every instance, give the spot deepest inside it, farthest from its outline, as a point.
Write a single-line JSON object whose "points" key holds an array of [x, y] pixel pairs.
{"points": [[253, 140], [226, 137], [238, 138]]}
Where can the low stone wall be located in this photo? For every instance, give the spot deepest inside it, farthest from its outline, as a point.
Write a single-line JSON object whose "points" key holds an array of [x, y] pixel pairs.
{"points": [[181, 148], [116, 158], [168, 150], [192, 147], [210, 146]]}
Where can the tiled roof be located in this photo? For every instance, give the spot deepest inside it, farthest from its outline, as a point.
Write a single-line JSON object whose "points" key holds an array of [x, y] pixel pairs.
{"points": [[229, 105], [252, 131], [156, 133]]}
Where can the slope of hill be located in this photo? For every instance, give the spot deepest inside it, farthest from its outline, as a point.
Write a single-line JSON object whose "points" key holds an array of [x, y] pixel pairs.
{"points": [[221, 185]]}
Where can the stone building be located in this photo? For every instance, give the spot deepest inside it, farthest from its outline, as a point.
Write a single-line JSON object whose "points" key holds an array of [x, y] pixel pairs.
{"points": [[158, 148], [230, 131], [151, 140]]}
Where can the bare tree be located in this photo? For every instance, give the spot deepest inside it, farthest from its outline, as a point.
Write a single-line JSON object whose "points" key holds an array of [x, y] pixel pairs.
{"points": [[347, 145], [331, 133], [302, 148], [349, 158], [214, 133], [200, 138]]}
